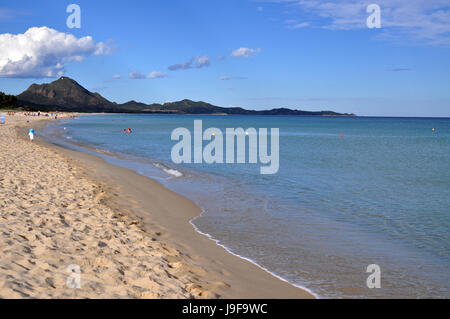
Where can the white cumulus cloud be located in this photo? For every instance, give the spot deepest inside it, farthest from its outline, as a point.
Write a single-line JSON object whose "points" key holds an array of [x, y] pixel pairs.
{"points": [[202, 61], [43, 52], [244, 52], [156, 74]]}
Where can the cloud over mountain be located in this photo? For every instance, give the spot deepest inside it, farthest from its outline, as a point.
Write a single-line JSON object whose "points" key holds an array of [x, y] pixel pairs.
{"points": [[42, 52]]}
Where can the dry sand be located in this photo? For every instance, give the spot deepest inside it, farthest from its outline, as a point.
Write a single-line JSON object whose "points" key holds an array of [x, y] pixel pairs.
{"points": [[130, 236]]}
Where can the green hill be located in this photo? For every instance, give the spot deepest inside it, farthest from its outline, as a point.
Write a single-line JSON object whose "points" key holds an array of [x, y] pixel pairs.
{"points": [[66, 94]]}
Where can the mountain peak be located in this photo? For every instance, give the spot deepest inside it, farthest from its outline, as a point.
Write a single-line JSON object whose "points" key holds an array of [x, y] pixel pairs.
{"points": [[66, 80], [67, 93]]}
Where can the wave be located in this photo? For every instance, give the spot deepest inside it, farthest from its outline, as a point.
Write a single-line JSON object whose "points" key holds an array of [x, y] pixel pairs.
{"points": [[168, 170]]}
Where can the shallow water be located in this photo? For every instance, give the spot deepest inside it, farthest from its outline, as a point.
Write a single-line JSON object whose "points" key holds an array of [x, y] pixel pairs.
{"points": [[377, 195]]}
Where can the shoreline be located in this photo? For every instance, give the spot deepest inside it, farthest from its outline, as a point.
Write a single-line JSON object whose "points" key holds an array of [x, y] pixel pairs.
{"points": [[169, 217], [91, 151], [217, 242], [302, 293]]}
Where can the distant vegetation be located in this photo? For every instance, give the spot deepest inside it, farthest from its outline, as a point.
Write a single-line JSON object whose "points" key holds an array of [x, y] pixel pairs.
{"points": [[7, 101], [10, 102]]}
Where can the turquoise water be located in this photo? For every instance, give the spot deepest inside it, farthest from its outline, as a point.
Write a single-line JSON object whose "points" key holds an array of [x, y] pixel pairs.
{"points": [[377, 195]]}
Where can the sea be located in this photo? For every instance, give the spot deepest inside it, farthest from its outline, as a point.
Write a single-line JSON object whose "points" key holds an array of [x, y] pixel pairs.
{"points": [[350, 192]]}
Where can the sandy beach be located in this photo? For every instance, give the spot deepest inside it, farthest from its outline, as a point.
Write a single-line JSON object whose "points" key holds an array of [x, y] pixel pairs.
{"points": [[129, 236]]}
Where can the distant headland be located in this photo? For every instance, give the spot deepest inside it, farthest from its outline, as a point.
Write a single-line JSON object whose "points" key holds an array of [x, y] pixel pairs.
{"points": [[66, 95]]}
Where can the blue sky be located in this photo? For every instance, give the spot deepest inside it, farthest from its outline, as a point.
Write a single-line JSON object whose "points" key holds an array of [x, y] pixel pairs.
{"points": [[305, 54]]}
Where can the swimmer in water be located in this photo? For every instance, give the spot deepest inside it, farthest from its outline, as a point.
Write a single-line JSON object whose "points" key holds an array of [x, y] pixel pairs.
{"points": [[129, 130]]}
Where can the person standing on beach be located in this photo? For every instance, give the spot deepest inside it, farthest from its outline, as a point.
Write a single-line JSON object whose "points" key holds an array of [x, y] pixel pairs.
{"points": [[31, 135]]}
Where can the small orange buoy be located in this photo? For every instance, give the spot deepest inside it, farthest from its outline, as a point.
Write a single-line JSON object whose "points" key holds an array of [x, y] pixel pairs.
{"points": [[341, 135]]}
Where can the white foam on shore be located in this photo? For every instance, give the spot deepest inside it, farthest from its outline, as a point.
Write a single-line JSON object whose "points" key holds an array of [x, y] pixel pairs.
{"points": [[218, 243], [173, 172], [169, 171]]}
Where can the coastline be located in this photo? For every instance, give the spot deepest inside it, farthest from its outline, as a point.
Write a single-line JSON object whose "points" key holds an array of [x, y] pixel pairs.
{"points": [[167, 216]]}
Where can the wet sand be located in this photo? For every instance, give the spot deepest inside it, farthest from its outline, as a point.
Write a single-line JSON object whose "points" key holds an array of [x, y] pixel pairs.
{"points": [[130, 236]]}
